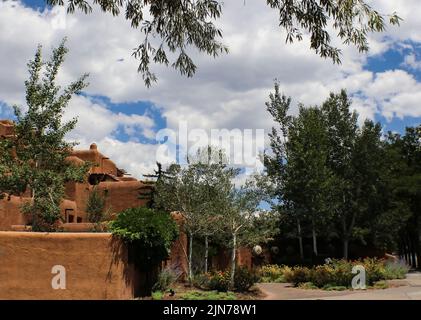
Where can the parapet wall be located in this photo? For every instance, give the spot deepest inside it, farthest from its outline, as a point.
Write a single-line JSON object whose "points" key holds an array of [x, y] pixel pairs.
{"points": [[95, 266]]}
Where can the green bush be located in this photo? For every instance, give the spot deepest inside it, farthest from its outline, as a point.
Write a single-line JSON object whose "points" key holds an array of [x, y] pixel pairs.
{"points": [[338, 273], [244, 279], [201, 280], [95, 206], [157, 295], [273, 273], [148, 233], [166, 279], [307, 285], [298, 275], [395, 270], [219, 280]]}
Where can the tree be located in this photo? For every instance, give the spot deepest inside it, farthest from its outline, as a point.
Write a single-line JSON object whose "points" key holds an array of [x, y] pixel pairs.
{"points": [[403, 176], [190, 190], [241, 219], [174, 27], [95, 206], [34, 158], [308, 180]]}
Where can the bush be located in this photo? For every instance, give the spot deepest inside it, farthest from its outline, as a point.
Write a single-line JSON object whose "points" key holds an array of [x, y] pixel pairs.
{"points": [[244, 279], [166, 279], [395, 270], [219, 280], [95, 206], [201, 280], [157, 295], [298, 275], [307, 285], [273, 273], [148, 233]]}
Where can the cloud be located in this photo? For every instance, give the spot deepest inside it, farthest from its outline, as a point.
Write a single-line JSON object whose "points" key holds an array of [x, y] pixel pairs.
{"points": [[227, 92]]}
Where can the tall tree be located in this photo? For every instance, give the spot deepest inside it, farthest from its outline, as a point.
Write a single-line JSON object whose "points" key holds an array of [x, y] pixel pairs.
{"points": [[176, 26], [342, 132], [36, 155], [192, 190], [308, 179], [241, 219]]}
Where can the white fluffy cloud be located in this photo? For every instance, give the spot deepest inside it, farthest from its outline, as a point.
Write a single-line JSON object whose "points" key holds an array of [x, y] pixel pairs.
{"points": [[227, 92]]}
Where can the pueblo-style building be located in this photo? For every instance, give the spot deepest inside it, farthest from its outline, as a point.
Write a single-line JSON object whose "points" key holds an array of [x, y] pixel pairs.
{"points": [[120, 191]]}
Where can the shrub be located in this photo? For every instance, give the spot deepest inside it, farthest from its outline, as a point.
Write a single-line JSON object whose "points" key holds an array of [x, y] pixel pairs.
{"points": [[219, 280], [201, 280], [149, 234], [298, 275], [307, 285], [157, 295], [322, 275], [95, 206], [166, 279], [381, 285], [273, 273], [244, 279], [395, 270]]}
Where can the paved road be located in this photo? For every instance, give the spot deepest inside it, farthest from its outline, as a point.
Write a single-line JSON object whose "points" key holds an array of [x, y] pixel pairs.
{"points": [[409, 289]]}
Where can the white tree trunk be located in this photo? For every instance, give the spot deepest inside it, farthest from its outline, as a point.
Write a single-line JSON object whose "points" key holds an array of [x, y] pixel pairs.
{"points": [[314, 241], [233, 257], [206, 253], [190, 257]]}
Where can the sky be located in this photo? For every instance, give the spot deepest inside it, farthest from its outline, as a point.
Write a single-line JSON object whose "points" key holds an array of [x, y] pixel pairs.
{"points": [[123, 117]]}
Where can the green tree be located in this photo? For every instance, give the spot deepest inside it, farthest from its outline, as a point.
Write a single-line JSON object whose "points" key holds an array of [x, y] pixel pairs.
{"points": [[242, 220], [174, 27], [35, 158], [190, 190], [308, 180], [403, 176], [95, 206]]}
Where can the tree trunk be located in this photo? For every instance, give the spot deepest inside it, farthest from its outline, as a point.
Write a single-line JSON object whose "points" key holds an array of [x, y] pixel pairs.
{"points": [[346, 245], [206, 253], [190, 257], [314, 240], [300, 240], [233, 257]]}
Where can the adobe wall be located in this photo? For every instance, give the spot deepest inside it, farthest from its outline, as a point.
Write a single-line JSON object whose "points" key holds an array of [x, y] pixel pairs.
{"points": [[96, 266], [122, 195], [10, 213]]}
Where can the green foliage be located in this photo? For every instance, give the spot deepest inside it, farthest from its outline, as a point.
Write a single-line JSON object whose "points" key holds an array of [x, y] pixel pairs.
{"points": [[244, 279], [381, 285], [219, 280], [165, 281], [395, 270], [157, 295], [298, 275], [174, 27], [307, 285], [273, 273], [208, 295], [338, 273], [149, 233], [95, 206], [35, 158]]}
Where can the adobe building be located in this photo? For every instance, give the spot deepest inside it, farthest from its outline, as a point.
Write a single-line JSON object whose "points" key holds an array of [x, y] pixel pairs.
{"points": [[120, 191]]}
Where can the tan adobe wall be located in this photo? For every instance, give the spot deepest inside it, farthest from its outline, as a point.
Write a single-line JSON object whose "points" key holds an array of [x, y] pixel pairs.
{"points": [[95, 263], [10, 213], [122, 195]]}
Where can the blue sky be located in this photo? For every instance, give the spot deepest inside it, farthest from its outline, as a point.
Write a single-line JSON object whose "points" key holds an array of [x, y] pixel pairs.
{"points": [[118, 113]]}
